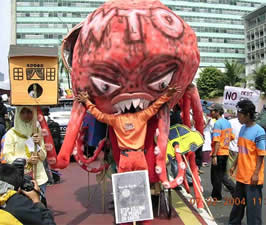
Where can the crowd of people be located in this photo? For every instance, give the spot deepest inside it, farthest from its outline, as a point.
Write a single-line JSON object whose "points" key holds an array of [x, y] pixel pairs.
{"points": [[234, 149]]}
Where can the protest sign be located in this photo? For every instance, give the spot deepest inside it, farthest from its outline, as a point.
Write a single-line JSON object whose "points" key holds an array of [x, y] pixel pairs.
{"points": [[33, 73], [232, 95], [132, 197]]}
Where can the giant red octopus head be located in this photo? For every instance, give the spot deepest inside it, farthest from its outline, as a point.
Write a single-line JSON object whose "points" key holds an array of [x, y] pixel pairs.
{"points": [[126, 54]]}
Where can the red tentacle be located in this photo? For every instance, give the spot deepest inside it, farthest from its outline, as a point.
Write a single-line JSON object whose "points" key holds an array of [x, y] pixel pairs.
{"points": [[77, 115], [48, 139], [186, 104], [194, 169], [181, 171], [197, 109], [160, 149]]}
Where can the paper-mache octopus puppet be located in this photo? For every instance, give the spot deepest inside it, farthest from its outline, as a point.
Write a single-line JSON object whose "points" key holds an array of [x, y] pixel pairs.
{"points": [[126, 54]]}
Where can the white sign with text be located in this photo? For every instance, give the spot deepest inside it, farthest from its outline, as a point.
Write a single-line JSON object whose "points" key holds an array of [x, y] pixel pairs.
{"points": [[232, 95], [132, 197]]}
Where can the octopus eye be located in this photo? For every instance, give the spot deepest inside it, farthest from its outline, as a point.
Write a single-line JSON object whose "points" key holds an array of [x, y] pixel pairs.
{"points": [[162, 83], [103, 86]]}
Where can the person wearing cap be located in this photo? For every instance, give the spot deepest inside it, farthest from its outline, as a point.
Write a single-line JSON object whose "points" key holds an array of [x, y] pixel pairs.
{"points": [[249, 167], [221, 137]]}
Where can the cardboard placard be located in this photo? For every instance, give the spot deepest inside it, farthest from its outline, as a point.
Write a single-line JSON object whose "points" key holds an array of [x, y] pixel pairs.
{"points": [[33, 68], [132, 197], [232, 95]]}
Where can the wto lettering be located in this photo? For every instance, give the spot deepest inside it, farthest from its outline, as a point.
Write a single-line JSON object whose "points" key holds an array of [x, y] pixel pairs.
{"points": [[163, 20]]}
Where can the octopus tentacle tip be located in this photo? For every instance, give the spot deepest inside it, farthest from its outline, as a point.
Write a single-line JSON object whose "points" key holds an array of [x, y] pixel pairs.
{"points": [[166, 184], [177, 150]]}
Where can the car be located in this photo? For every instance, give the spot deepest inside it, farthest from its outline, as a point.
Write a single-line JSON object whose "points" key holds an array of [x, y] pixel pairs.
{"points": [[60, 113], [187, 139]]}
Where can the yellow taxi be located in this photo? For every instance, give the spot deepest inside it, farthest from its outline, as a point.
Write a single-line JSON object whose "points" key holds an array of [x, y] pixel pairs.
{"points": [[187, 139]]}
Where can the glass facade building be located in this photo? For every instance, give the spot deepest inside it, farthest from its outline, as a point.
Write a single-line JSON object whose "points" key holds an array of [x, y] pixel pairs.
{"points": [[219, 24]]}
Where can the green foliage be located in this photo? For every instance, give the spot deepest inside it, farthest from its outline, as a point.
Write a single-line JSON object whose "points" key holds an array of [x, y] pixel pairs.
{"points": [[208, 81], [212, 81], [259, 78], [234, 74]]}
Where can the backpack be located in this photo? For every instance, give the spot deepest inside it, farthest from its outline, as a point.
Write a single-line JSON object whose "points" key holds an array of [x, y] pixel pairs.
{"points": [[55, 132]]}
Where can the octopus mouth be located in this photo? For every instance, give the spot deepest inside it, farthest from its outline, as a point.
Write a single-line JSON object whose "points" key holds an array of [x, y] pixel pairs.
{"points": [[131, 105]]}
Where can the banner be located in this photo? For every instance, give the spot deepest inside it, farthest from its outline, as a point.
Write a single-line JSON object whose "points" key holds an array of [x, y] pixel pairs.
{"points": [[232, 95]]}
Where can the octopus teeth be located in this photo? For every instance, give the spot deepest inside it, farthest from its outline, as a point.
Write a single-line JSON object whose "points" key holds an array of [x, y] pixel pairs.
{"points": [[136, 102]]}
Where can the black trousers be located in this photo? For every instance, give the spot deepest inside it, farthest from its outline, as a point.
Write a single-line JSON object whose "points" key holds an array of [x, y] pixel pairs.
{"points": [[249, 196], [199, 157], [219, 177]]}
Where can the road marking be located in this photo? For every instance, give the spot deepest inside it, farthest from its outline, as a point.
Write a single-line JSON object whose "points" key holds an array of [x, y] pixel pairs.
{"points": [[183, 211], [202, 212]]}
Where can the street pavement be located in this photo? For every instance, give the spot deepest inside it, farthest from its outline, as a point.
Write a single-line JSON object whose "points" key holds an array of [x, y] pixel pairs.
{"points": [[78, 200], [221, 211], [73, 203]]}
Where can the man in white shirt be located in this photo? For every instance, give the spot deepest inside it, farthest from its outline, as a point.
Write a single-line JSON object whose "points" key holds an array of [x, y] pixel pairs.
{"points": [[233, 149]]}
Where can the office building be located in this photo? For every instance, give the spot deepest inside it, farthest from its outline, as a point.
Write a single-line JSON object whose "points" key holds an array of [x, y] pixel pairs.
{"points": [[218, 23], [255, 38]]}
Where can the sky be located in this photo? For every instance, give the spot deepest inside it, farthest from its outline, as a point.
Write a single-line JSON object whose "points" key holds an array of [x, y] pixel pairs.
{"points": [[5, 27]]}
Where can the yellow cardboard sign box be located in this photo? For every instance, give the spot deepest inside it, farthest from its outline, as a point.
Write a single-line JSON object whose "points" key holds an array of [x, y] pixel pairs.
{"points": [[33, 73]]}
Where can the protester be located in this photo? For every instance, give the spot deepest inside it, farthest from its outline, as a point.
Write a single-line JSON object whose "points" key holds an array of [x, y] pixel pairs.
{"points": [[19, 143], [250, 167], [233, 149], [206, 148], [130, 129], [221, 137], [19, 206]]}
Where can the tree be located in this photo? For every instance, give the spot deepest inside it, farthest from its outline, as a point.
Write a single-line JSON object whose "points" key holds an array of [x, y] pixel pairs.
{"points": [[234, 74], [209, 83], [259, 78]]}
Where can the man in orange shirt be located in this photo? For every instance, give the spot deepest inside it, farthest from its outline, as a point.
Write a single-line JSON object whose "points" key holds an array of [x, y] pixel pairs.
{"points": [[221, 137], [130, 130], [250, 167]]}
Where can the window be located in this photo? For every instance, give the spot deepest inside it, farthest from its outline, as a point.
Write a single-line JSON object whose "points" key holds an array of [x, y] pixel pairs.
{"points": [[173, 134], [182, 131]]}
